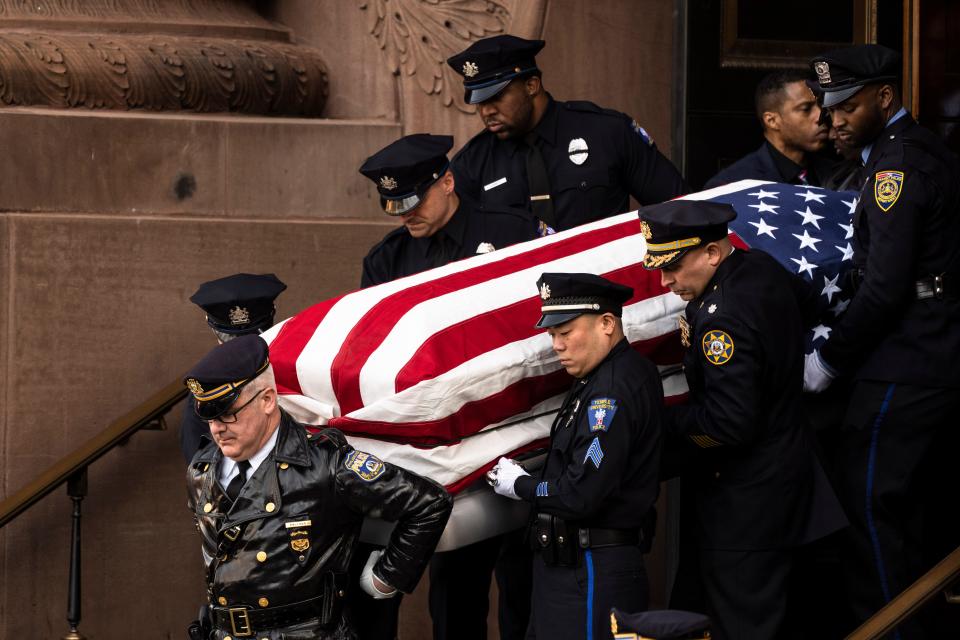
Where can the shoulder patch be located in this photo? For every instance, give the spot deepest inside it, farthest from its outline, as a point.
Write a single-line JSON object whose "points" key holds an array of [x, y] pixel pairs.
{"points": [[887, 186], [366, 466], [640, 131], [600, 413], [717, 347]]}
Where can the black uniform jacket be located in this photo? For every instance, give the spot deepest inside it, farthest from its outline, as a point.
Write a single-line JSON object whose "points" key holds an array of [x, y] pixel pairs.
{"points": [[596, 159], [467, 233], [766, 163], [906, 228], [758, 483], [603, 463], [314, 488]]}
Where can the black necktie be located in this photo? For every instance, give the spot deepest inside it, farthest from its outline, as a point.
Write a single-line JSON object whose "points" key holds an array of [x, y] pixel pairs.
{"points": [[233, 489], [541, 204]]}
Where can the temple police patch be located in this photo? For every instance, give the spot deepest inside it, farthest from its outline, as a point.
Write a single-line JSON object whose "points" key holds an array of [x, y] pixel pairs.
{"points": [[366, 466], [717, 347], [600, 413], [887, 186]]}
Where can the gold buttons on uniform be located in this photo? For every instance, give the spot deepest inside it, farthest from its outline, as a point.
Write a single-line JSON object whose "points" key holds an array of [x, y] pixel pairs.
{"points": [[270, 507], [206, 466], [261, 556], [263, 602], [207, 508], [284, 465], [227, 638], [222, 601]]}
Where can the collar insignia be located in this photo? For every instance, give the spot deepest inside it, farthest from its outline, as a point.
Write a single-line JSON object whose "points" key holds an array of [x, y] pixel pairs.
{"points": [[711, 308], [823, 72], [194, 386], [470, 69], [239, 315], [545, 291], [645, 230], [388, 183]]}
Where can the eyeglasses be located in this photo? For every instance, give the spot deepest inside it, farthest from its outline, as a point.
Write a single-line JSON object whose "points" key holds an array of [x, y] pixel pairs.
{"points": [[231, 416]]}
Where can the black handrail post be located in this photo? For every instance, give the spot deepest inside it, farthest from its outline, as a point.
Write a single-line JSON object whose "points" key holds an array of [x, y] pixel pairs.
{"points": [[76, 489]]}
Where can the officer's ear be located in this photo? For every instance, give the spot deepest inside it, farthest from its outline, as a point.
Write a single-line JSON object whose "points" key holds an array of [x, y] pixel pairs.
{"points": [[269, 400], [533, 86], [886, 95], [608, 323], [771, 120], [449, 182], [715, 253]]}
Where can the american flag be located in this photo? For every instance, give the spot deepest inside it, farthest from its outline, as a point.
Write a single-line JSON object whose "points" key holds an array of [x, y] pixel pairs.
{"points": [[443, 372]]}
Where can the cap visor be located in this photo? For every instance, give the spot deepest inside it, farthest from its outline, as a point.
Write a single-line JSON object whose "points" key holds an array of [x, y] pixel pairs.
{"points": [[548, 320], [476, 96], [400, 206], [833, 98], [215, 408]]}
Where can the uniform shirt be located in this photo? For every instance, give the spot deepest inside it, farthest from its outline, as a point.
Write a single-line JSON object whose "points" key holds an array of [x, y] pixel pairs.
{"points": [[602, 466], [469, 231], [756, 480], [906, 227], [595, 158]]}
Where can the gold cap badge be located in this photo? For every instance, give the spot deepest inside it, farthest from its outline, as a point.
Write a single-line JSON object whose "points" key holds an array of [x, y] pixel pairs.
{"points": [[194, 386], [388, 183], [545, 291], [470, 69], [239, 315], [823, 72], [645, 230]]}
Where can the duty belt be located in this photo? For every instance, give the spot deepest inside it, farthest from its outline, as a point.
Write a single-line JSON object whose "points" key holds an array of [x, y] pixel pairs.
{"points": [[926, 288], [245, 621]]}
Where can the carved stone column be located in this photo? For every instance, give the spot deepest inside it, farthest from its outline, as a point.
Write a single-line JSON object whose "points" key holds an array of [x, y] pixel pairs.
{"points": [[164, 55]]}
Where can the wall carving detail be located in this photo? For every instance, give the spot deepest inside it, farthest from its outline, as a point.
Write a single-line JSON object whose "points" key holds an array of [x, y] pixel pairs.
{"points": [[417, 36]]}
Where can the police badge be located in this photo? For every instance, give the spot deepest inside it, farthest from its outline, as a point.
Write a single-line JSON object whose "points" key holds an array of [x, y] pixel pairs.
{"points": [[239, 315], [470, 69]]}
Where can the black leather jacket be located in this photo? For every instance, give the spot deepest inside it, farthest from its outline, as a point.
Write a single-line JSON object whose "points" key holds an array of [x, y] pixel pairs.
{"points": [[298, 517]]}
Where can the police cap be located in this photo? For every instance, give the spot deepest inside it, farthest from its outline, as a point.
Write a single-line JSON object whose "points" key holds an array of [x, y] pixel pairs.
{"points": [[843, 72], [241, 303], [565, 296], [405, 169], [675, 227], [216, 381], [659, 625], [488, 65]]}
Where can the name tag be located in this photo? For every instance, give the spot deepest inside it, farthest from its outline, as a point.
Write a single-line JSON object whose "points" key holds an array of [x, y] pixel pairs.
{"points": [[297, 524], [495, 184]]}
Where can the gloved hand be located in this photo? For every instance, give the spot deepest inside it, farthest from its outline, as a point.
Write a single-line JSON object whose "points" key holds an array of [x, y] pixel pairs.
{"points": [[504, 475], [817, 374], [367, 579]]}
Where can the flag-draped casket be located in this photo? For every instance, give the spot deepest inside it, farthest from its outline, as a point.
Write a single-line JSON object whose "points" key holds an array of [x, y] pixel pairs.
{"points": [[443, 372]]}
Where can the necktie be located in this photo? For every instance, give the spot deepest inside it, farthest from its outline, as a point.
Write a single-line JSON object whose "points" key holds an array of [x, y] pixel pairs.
{"points": [[541, 204], [233, 489]]}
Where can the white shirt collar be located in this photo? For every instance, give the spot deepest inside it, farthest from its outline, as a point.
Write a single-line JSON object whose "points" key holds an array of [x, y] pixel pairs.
{"points": [[228, 468]]}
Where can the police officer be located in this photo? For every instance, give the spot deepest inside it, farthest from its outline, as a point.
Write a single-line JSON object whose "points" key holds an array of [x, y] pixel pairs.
{"points": [[659, 625], [567, 162], [900, 335], [759, 491], [279, 511], [234, 306], [599, 481], [439, 225]]}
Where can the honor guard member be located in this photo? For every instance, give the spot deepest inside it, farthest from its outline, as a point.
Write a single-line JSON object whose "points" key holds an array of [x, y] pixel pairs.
{"points": [[590, 500], [567, 162], [759, 491], [439, 224], [234, 306], [900, 335], [279, 511], [659, 625]]}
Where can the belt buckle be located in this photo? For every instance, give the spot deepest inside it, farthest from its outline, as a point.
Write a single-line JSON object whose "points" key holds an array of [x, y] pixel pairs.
{"points": [[240, 622]]}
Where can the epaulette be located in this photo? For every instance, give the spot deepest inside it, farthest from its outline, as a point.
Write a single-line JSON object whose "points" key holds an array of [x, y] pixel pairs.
{"points": [[330, 436], [588, 107]]}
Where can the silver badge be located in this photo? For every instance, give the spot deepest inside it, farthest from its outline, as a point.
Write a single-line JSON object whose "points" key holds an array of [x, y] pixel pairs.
{"points": [[711, 308], [388, 183], [823, 72], [545, 291], [239, 315], [578, 151], [485, 247], [470, 69]]}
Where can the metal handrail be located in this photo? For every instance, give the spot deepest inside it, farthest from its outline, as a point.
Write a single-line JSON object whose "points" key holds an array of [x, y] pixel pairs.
{"points": [[937, 580], [94, 448]]}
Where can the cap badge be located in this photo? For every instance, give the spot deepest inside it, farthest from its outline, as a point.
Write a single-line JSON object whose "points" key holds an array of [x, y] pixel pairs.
{"points": [[645, 230], [545, 291], [485, 247], [823, 72], [239, 315], [388, 183], [470, 69], [194, 386], [578, 151]]}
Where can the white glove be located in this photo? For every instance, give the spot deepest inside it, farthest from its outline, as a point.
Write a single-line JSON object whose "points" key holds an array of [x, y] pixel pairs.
{"points": [[505, 475], [366, 579], [817, 374]]}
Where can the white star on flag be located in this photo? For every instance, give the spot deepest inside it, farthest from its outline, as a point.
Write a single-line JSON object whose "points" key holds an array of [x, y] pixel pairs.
{"points": [[839, 306], [804, 265], [763, 207], [847, 252], [806, 240], [848, 228], [809, 217], [852, 204], [809, 195], [821, 331], [830, 287], [763, 227], [764, 194]]}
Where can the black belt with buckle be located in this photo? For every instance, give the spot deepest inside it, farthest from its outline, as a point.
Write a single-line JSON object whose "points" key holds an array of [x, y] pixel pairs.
{"points": [[931, 287], [595, 538], [245, 621]]}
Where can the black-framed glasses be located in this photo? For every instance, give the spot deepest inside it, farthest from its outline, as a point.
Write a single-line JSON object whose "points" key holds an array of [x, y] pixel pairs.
{"points": [[231, 416]]}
